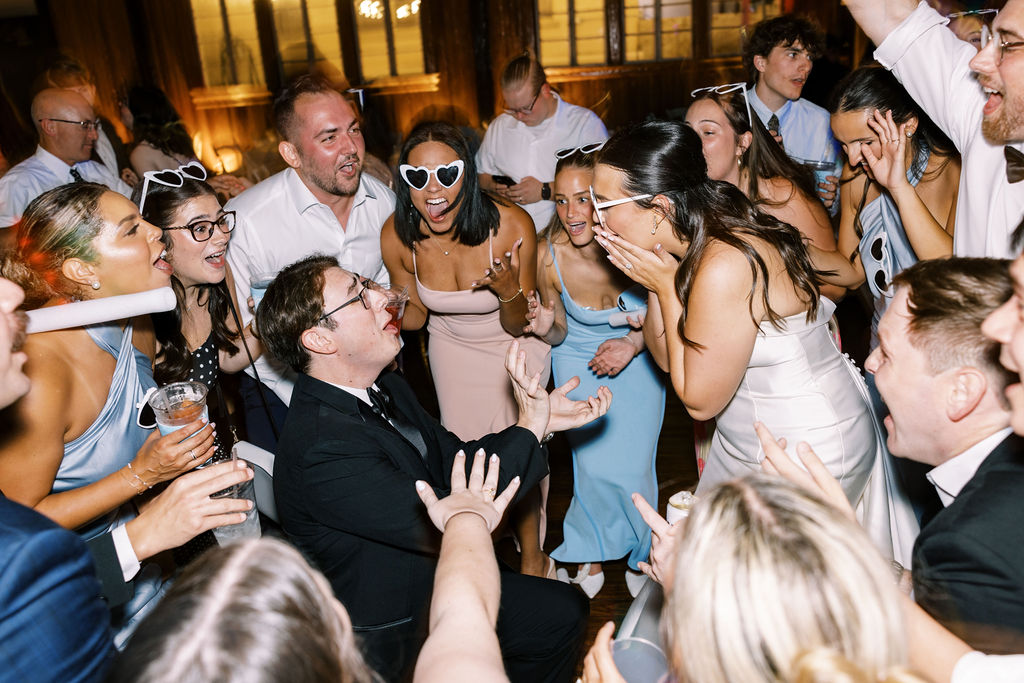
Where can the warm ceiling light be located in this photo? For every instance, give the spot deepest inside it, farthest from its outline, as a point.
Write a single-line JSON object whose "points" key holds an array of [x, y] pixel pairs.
{"points": [[371, 9]]}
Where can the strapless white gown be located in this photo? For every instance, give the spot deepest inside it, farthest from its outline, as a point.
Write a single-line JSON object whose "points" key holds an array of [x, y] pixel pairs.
{"points": [[802, 388]]}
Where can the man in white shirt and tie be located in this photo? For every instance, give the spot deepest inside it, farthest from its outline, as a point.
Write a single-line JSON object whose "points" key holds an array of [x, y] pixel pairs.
{"points": [[67, 128], [322, 203], [976, 98]]}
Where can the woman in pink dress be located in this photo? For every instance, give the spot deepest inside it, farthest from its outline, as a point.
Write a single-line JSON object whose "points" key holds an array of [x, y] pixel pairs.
{"points": [[468, 259]]}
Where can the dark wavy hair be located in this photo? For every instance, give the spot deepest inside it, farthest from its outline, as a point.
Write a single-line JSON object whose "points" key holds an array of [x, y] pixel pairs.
{"points": [[476, 212], [781, 31], [764, 158], [665, 158], [873, 87], [294, 303], [157, 122], [175, 361], [577, 159]]}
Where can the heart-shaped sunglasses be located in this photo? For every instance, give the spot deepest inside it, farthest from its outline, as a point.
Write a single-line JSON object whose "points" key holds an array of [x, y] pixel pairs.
{"points": [[417, 177]]}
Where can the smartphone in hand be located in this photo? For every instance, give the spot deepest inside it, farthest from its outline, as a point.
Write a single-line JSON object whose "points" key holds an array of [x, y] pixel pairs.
{"points": [[503, 180]]}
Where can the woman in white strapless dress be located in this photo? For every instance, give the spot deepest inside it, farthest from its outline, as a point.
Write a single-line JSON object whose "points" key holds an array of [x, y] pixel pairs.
{"points": [[751, 342]]}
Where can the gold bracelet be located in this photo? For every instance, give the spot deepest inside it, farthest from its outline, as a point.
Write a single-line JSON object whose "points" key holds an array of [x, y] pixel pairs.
{"points": [[138, 478], [511, 298]]}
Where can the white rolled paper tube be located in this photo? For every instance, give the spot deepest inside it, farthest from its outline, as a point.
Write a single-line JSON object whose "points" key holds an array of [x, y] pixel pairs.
{"points": [[100, 310]]}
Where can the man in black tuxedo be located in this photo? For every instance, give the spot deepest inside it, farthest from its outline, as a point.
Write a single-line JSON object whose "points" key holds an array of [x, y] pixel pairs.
{"points": [[944, 388], [353, 446]]}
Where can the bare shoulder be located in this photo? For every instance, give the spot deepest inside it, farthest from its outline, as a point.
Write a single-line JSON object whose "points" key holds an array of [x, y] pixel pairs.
{"points": [[724, 268], [514, 224]]}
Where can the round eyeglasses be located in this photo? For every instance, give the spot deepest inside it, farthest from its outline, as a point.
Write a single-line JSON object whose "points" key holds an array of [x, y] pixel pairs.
{"points": [[202, 231]]}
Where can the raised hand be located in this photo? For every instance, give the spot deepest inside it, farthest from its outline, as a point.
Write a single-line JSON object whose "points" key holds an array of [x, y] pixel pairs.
{"points": [[890, 168], [503, 275], [827, 190], [598, 665], [530, 396], [655, 269], [475, 498], [663, 542], [541, 316]]}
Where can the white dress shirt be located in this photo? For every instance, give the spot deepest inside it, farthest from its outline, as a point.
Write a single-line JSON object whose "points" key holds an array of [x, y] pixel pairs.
{"points": [[279, 221], [512, 148], [125, 553], [932, 64], [950, 477], [41, 172], [977, 667]]}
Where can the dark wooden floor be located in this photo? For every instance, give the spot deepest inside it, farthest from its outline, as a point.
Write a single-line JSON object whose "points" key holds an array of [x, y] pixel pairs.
{"points": [[676, 468]]}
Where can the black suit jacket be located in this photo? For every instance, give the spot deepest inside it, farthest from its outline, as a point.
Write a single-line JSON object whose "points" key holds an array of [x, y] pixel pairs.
{"points": [[968, 565], [344, 481]]}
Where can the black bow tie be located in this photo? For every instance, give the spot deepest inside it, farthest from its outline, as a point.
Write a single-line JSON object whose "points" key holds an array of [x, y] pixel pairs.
{"points": [[1014, 164]]}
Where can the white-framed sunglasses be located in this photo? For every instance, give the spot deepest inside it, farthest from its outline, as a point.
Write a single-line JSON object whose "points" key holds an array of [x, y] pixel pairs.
{"points": [[589, 148], [417, 177], [612, 202], [725, 90], [171, 177]]}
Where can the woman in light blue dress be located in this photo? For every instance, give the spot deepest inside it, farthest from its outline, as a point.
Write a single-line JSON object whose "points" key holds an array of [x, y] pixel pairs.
{"points": [[76, 452], [582, 314]]}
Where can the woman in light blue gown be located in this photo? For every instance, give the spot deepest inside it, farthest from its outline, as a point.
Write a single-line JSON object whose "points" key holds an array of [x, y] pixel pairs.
{"points": [[613, 457]]}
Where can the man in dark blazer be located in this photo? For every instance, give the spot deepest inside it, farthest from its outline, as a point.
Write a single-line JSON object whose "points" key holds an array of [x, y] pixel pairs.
{"points": [[353, 446], [944, 388]]}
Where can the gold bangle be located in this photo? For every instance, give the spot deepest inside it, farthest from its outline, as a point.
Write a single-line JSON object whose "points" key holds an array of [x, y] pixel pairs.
{"points": [[511, 298]]}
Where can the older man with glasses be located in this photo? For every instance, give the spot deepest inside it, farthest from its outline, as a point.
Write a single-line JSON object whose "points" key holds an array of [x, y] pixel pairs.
{"points": [[517, 157], [975, 97], [67, 128]]}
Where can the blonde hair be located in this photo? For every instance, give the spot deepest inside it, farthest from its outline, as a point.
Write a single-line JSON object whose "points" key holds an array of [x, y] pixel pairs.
{"points": [[523, 68], [57, 225], [252, 612], [773, 584]]}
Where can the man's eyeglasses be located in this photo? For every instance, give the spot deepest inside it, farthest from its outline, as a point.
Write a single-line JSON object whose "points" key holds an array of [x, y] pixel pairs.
{"points": [[1002, 46], [363, 295], [171, 177], [202, 231], [611, 202], [525, 111], [585, 149], [88, 126], [725, 90]]}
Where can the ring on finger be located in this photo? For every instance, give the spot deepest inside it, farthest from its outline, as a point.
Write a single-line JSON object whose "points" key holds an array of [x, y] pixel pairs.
{"points": [[488, 490], [192, 453], [628, 266]]}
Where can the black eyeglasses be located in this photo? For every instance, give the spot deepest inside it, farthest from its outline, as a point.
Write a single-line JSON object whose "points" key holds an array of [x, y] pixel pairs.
{"points": [[525, 110], [203, 230], [1002, 46], [363, 295], [85, 125]]}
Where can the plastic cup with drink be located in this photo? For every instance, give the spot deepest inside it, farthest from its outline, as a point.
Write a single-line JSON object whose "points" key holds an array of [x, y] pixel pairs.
{"points": [[258, 283], [639, 660], [175, 406], [679, 506], [398, 296]]}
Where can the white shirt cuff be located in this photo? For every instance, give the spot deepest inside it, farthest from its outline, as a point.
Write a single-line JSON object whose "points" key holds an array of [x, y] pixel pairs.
{"points": [[125, 553], [903, 36]]}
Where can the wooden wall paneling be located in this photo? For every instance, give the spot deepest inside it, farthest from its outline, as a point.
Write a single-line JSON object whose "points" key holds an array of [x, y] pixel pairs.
{"points": [[511, 29], [100, 35]]}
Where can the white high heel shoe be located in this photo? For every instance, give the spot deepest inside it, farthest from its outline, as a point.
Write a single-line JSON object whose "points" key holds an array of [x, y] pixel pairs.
{"points": [[635, 581], [590, 583]]}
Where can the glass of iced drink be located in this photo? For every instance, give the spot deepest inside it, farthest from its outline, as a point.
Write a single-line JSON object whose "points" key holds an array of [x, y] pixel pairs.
{"points": [[177, 404], [250, 528], [258, 283]]}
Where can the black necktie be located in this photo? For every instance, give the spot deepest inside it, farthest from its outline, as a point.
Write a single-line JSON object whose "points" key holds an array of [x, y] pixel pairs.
{"points": [[773, 124], [76, 175], [1014, 164], [382, 405]]}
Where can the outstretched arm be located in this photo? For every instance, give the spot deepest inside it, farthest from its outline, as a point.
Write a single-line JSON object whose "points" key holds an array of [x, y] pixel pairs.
{"points": [[878, 18]]}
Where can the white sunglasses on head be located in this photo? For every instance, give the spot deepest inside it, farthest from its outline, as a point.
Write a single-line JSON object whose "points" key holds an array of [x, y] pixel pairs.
{"points": [[589, 148], [417, 177], [171, 177], [725, 90]]}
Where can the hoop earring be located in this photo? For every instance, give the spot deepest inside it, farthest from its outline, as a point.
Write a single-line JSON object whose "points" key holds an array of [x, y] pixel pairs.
{"points": [[95, 284]]}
